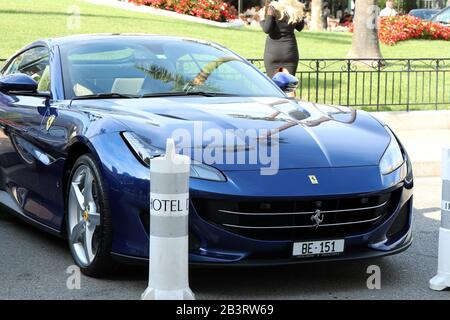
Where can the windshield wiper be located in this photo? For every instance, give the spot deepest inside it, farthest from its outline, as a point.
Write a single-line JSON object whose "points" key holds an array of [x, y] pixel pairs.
{"points": [[106, 95], [110, 95], [185, 94]]}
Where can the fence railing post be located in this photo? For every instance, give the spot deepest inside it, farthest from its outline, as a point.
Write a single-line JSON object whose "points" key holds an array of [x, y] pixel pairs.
{"points": [[379, 65], [437, 84], [408, 69], [317, 81], [349, 66], [169, 215]]}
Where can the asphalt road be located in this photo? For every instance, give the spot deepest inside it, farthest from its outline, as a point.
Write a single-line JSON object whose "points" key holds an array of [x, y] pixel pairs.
{"points": [[33, 266]]}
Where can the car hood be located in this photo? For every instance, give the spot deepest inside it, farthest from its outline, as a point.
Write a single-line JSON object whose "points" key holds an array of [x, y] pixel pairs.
{"points": [[309, 135]]}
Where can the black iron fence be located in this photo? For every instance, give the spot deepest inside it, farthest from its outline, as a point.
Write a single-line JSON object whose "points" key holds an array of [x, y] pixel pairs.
{"points": [[384, 84]]}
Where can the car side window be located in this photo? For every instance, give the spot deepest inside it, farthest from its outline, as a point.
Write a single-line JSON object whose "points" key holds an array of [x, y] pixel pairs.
{"points": [[35, 63]]}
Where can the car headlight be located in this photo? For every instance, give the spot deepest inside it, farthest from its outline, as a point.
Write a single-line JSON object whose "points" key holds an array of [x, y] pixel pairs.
{"points": [[393, 157], [145, 152]]}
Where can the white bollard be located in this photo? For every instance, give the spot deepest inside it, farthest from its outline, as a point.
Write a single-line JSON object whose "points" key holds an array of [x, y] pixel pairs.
{"points": [[442, 279], [169, 243]]}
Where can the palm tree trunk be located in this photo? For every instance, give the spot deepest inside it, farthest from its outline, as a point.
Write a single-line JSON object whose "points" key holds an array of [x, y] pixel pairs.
{"points": [[316, 23], [365, 42]]}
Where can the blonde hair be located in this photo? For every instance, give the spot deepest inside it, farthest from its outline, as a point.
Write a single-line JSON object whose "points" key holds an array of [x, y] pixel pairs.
{"points": [[293, 9]]}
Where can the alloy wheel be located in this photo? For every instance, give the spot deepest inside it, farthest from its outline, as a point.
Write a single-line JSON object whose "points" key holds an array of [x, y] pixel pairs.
{"points": [[83, 216]]}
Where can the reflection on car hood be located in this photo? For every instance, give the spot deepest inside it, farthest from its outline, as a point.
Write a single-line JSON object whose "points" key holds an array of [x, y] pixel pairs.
{"points": [[310, 135]]}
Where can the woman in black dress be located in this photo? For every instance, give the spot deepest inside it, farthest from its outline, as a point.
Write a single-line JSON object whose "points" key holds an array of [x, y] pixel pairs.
{"points": [[281, 20]]}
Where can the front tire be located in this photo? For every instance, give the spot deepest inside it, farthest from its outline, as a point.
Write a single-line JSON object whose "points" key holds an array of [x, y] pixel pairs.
{"points": [[88, 219]]}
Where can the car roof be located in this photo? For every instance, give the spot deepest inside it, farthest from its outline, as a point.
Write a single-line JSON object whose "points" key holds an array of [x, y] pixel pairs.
{"points": [[60, 41], [80, 38], [420, 10]]}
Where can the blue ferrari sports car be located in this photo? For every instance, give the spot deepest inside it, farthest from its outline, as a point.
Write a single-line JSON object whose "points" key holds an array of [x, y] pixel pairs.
{"points": [[274, 180]]}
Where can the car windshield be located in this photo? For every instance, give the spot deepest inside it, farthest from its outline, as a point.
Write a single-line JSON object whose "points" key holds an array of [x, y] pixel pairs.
{"points": [[443, 16], [143, 67]]}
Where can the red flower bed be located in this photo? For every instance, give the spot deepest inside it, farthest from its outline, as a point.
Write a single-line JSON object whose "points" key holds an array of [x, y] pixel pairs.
{"points": [[400, 28], [216, 10]]}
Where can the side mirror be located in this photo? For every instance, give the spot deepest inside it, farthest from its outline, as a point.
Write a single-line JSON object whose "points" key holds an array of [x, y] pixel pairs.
{"points": [[18, 82], [287, 82]]}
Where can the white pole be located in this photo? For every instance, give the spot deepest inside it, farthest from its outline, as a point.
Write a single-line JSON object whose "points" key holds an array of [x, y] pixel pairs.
{"points": [[442, 279], [169, 211]]}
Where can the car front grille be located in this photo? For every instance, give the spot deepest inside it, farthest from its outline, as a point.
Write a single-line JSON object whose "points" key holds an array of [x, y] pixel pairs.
{"points": [[294, 219]]}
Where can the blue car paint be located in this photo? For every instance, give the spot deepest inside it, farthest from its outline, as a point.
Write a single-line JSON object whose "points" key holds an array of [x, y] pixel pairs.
{"points": [[159, 117], [339, 150]]}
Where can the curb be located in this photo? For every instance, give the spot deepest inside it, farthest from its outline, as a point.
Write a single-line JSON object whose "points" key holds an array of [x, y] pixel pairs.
{"points": [[426, 169]]}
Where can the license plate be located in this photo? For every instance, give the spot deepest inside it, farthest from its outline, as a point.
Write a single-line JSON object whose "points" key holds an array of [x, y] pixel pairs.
{"points": [[318, 248]]}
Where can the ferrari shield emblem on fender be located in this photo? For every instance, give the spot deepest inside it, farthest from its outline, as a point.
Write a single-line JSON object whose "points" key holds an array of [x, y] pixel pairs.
{"points": [[50, 121], [313, 179]]}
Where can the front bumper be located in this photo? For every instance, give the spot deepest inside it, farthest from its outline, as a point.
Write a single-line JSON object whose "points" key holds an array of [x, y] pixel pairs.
{"points": [[213, 245], [391, 236]]}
